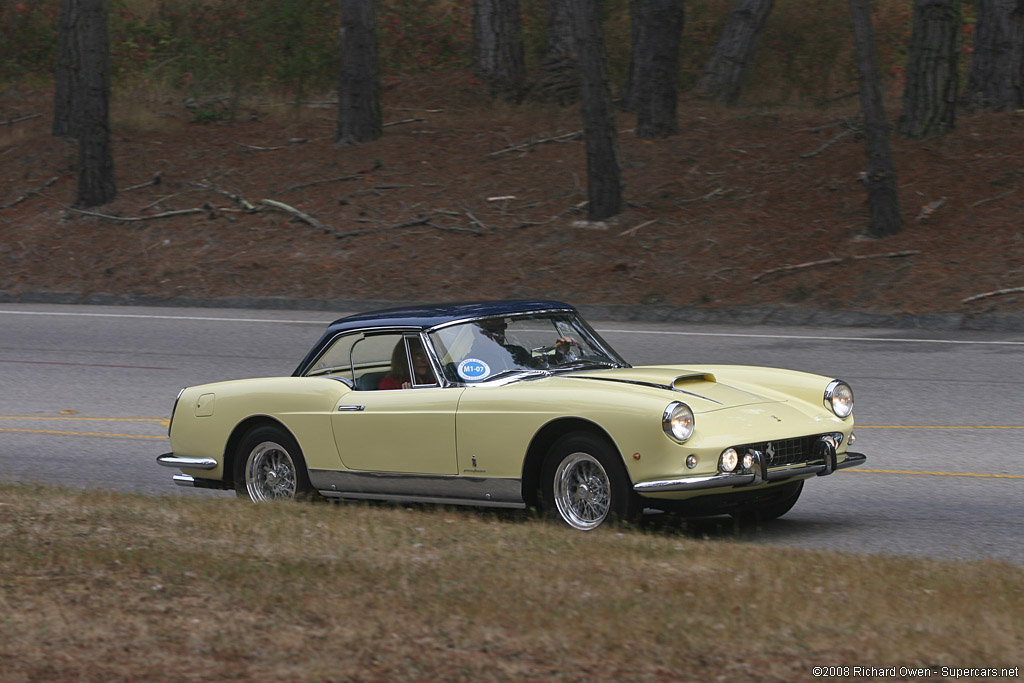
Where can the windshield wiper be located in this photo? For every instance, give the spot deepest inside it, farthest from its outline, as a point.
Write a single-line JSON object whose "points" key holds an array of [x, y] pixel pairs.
{"points": [[585, 364], [526, 372]]}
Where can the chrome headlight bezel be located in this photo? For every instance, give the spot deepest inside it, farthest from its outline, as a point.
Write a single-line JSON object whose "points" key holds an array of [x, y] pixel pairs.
{"points": [[839, 398], [678, 422]]}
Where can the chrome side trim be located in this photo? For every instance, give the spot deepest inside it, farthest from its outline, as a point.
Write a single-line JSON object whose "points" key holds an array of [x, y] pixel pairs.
{"points": [[711, 481], [421, 499], [452, 489], [171, 460]]}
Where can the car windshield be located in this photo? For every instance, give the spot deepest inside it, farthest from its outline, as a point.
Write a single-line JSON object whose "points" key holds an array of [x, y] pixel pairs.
{"points": [[503, 346]]}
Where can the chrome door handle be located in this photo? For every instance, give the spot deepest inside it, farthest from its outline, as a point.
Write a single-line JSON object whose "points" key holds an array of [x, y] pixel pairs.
{"points": [[351, 408]]}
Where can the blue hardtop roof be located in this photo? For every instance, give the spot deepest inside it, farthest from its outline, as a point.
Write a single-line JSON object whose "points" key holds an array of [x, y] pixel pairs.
{"points": [[431, 315]]}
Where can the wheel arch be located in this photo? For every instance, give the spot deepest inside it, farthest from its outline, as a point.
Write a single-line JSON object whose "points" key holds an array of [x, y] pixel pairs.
{"points": [[545, 438], [239, 432]]}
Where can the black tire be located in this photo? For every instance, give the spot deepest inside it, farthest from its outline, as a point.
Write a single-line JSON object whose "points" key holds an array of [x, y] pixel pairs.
{"points": [[765, 511], [269, 466], [584, 484]]}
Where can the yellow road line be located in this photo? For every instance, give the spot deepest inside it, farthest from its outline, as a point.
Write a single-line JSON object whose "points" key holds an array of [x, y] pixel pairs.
{"points": [[938, 474], [939, 427], [53, 431], [85, 419]]}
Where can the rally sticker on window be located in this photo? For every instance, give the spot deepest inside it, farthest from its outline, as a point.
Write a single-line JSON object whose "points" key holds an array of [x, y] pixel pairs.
{"points": [[472, 370]]}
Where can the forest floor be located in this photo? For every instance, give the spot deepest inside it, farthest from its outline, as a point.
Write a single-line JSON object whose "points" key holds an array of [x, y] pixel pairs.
{"points": [[465, 198]]}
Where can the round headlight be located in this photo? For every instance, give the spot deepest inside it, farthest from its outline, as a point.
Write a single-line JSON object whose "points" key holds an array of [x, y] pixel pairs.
{"points": [[678, 421], [839, 398], [728, 460]]}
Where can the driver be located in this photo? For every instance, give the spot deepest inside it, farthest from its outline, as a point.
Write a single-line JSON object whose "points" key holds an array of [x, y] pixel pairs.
{"points": [[494, 329]]}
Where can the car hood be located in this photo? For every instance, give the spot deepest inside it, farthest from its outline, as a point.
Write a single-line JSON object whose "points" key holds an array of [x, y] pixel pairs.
{"points": [[700, 389]]}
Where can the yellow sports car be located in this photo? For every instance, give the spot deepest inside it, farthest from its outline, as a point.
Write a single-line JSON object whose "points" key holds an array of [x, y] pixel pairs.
{"points": [[512, 404]]}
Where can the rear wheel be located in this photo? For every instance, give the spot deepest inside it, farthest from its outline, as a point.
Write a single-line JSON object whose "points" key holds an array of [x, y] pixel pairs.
{"points": [[269, 466], [585, 485]]}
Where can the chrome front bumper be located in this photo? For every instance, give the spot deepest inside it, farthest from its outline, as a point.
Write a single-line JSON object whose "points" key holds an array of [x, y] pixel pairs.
{"points": [[756, 474]]}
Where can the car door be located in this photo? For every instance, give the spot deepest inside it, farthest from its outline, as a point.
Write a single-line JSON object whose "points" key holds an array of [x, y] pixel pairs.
{"points": [[395, 431]]}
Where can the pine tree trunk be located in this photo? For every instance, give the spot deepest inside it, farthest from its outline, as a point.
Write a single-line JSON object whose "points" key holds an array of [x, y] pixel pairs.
{"points": [[996, 80], [95, 157], [359, 117], [498, 46], [724, 74], [68, 69], [881, 174], [558, 77], [929, 99], [655, 77], [604, 179]]}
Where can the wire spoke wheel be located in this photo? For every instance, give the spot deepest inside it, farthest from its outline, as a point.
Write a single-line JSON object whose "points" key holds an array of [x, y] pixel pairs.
{"points": [[583, 491], [270, 473]]}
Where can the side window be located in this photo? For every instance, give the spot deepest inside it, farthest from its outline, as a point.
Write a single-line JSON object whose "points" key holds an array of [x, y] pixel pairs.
{"points": [[372, 358], [336, 359], [410, 367]]}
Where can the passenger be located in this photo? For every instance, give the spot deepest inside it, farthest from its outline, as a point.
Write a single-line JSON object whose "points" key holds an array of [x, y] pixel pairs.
{"points": [[399, 376]]}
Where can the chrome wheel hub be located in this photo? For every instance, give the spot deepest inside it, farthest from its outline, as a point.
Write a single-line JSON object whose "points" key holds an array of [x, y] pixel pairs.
{"points": [[269, 473], [582, 491]]}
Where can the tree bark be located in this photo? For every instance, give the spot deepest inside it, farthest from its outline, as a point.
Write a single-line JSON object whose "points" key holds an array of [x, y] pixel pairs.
{"points": [[604, 176], [929, 98], [359, 117], [558, 79], [654, 71], [68, 69], [498, 46], [724, 74], [996, 80], [880, 178], [95, 157]]}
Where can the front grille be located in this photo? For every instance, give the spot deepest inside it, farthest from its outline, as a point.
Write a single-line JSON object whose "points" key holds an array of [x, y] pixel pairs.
{"points": [[781, 452]]}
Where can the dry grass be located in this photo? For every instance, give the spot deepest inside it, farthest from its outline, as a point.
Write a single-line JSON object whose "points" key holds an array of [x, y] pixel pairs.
{"points": [[108, 586]]}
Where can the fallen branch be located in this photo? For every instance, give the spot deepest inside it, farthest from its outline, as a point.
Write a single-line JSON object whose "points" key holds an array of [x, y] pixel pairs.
{"points": [[998, 292], [30, 193], [157, 179], [715, 192], [399, 123], [304, 217], [992, 199], [236, 198], [928, 209], [558, 138], [825, 145], [134, 219], [357, 176], [11, 122], [633, 230], [834, 262], [293, 141]]}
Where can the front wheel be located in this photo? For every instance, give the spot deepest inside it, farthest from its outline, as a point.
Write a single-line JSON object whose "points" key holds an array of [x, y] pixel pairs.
{"points": [[269, 466], [584, 483]]}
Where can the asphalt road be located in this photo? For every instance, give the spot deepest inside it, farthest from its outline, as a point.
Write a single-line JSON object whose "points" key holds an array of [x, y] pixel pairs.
{"points": [[86, 391]]}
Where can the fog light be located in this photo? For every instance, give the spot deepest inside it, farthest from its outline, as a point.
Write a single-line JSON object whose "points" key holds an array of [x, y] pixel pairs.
{"points": [[853, 439], [748, 461], [728, 461], [691, 461]]}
